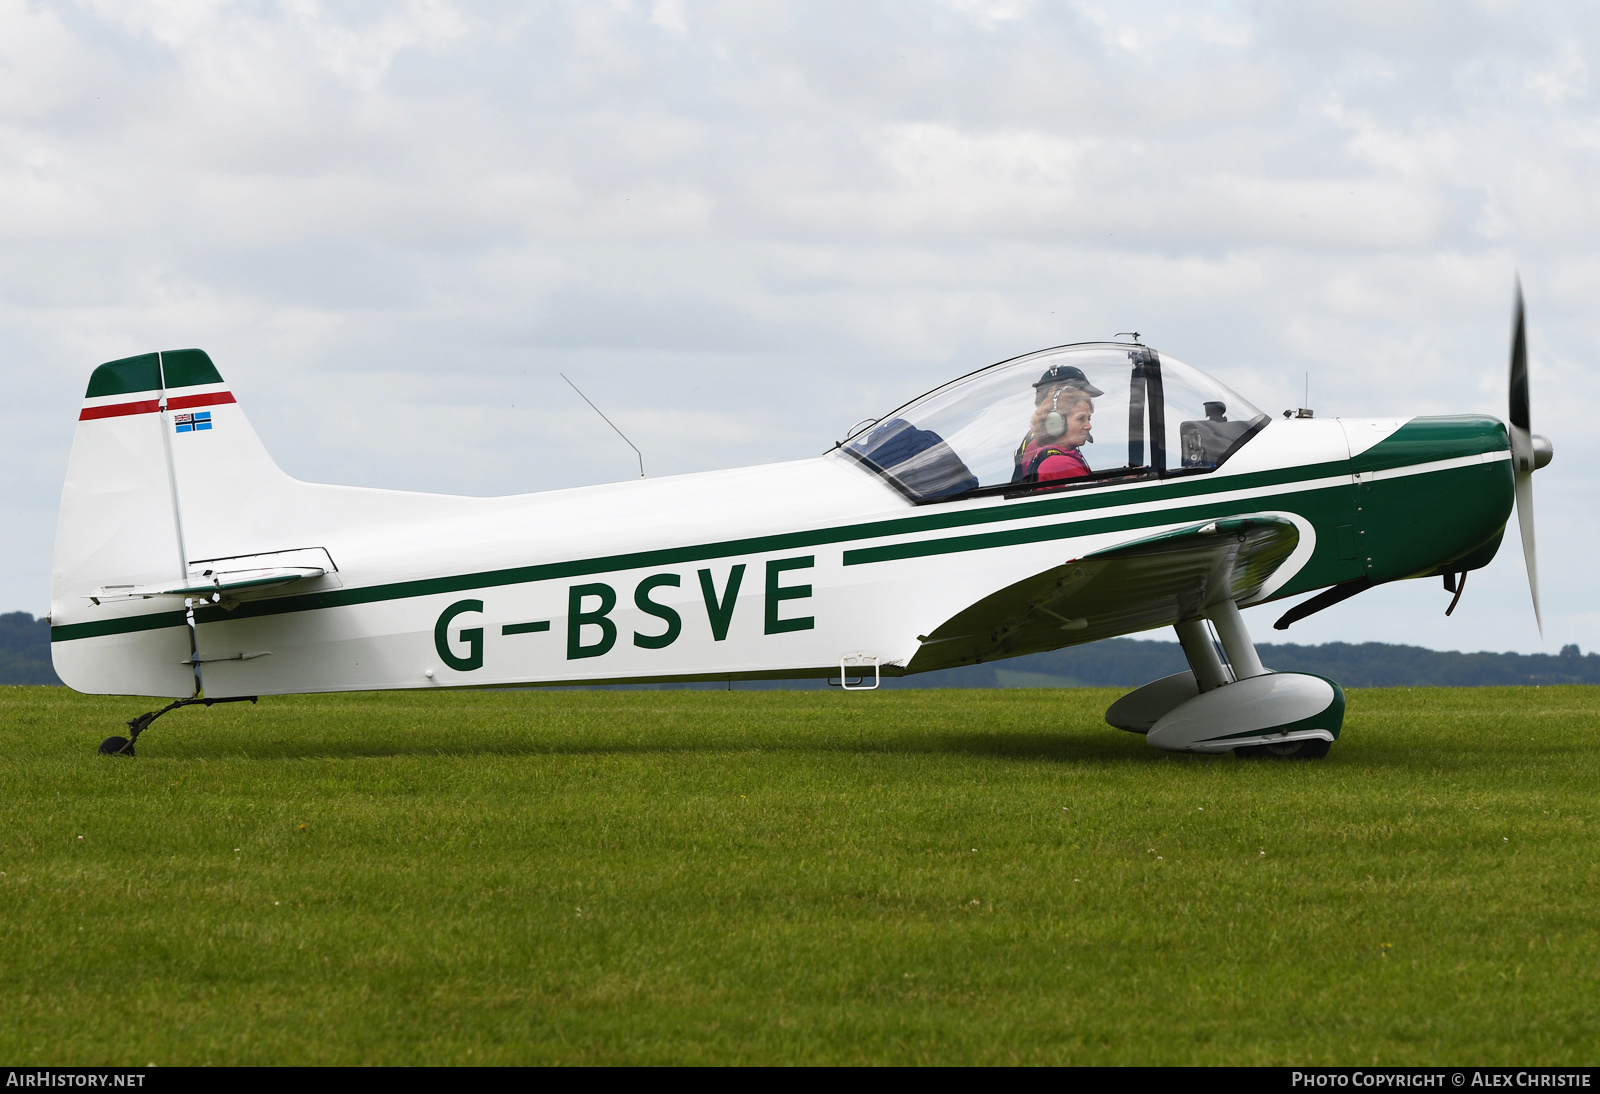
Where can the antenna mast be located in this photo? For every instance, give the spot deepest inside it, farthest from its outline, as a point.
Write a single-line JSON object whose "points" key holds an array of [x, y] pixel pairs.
{"points": [[1305, 407]]}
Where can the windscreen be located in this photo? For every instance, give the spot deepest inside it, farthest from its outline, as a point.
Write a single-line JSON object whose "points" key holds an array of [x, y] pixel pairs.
{"points": [[1060, 417], [1204, 421]]}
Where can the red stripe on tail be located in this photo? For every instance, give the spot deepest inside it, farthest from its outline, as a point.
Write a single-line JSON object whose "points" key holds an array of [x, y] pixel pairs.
{"points": [[184, 401], [150, 406]]}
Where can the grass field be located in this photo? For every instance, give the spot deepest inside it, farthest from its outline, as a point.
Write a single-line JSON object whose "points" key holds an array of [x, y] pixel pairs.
{"points": [[796, 877]]}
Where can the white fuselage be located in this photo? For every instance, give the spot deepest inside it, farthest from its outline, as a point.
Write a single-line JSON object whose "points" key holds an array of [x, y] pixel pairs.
{"points": [[759, 566]]}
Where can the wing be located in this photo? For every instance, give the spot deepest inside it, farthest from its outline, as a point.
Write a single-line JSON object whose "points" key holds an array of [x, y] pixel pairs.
{"points": [[1151, 582]]}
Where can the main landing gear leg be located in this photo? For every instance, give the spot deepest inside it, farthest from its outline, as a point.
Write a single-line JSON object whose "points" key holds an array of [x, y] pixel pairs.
{"points": [[123, 746], [1246, 663], [1209, 671]]}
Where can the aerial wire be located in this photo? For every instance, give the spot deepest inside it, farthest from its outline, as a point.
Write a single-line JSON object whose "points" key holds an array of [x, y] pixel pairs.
{"points": [[608, 422]]}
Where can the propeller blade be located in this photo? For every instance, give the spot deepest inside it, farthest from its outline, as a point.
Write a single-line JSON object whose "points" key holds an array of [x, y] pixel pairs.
{"points": [[1519, 370], [1522, 453], [1529, 555]]}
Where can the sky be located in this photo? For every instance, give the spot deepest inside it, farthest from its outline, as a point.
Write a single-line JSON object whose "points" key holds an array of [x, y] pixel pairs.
{"points": [[742, 227]]}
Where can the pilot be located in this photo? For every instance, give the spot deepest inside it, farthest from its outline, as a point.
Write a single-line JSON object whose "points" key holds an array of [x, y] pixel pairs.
{"points": [[1063, 405]]}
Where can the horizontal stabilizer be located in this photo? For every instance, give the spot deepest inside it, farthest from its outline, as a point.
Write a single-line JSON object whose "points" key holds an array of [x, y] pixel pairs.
{"points": [[220, 579], [208, 588]]}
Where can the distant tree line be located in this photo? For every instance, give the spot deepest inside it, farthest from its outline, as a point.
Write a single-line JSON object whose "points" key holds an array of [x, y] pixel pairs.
{"points": [[1115, 662], [1126, 662], [25, 650]]}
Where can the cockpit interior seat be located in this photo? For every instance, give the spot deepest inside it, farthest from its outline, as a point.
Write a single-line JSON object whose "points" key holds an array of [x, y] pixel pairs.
{"points": [[919, 459], [1206, 442]]}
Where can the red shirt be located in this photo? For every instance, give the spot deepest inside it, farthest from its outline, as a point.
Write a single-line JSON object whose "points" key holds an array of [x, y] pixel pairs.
{"points": [[1061, 463]]}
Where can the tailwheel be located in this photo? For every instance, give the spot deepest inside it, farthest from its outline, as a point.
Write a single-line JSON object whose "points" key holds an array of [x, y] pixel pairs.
{"points": [[123, 746], [1314, 749]]}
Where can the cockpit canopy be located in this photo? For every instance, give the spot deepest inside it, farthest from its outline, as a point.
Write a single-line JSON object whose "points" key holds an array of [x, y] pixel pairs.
{"points": [[1071, 416]]}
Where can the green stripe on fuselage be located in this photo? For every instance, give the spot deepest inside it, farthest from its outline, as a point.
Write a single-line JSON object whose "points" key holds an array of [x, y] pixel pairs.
{"points": [[1324, 507], [130, 624], [1044, 533], [1066, 503]]}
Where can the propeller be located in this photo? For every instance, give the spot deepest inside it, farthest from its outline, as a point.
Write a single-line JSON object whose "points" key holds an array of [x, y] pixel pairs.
{"points": [[1528, 452]]}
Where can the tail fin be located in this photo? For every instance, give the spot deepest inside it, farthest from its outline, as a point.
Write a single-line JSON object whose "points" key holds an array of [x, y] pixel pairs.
{"points": [[160, 451]]}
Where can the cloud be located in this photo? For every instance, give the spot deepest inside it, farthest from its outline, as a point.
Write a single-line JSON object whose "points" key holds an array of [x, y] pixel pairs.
{"points": [[745, 228]]}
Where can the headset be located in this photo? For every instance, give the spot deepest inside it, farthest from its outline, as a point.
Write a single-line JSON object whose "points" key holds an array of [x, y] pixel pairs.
{"points": [[1055, 423]]}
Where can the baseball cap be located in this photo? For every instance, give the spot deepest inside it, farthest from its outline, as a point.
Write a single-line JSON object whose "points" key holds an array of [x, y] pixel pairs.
{"points": [[1070, 375]]}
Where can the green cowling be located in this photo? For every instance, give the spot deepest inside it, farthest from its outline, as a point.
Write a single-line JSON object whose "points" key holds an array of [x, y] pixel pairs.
{"points": [[1449, 519]]}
